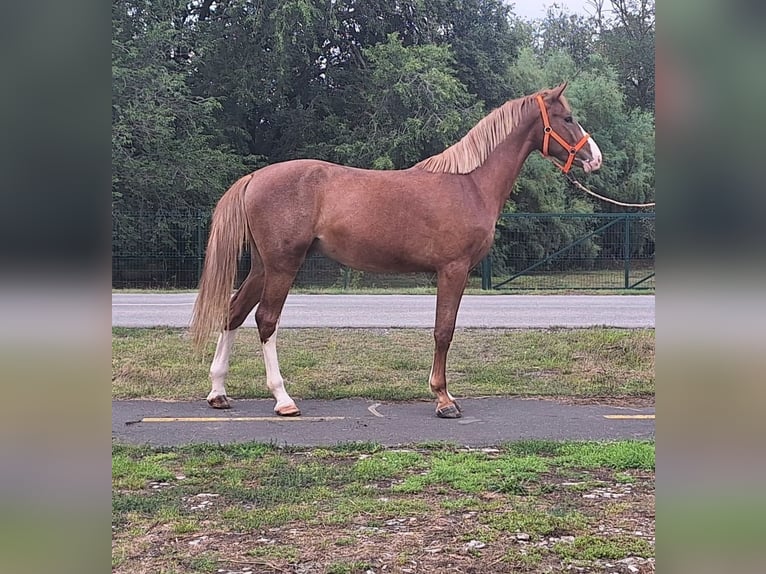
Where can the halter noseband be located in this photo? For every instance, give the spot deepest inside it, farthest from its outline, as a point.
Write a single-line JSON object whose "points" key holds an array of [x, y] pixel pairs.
{"points": [[548, 132]]}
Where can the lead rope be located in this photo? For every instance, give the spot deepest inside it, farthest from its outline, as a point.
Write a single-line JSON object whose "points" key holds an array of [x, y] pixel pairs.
{"points": [[572, 180]]}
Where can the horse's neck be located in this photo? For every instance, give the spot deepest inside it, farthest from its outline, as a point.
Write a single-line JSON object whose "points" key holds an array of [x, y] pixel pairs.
{"points": [[496, 176]]}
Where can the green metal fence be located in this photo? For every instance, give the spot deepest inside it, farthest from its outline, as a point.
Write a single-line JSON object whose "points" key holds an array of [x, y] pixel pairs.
{"points": [[572, 251], [531, 251]]}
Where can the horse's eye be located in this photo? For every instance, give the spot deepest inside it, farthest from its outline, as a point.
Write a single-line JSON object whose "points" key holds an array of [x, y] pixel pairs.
{"points": [[568, 119]]}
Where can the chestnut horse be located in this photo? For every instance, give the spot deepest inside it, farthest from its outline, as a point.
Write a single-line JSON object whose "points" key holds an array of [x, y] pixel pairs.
{"points": [[437, 216]]}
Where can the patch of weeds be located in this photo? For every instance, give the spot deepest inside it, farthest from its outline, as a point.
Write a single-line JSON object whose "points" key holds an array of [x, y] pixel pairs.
{"points": [[413, 484], [615, 509], [204, 465], [357, 567], [345, 541], [482, 534], [526, 559], [589, 547], [288, 553], [185, 526], [467, 472], [522, 464], [438, 446], [233, 476], [515, 485], [624, 478], [324, 453], [119, 555], [241, 520], [301, 483], [248, 451], [357, 489], [129, 473], [146, 504], [537, 522], [387, 464], [584, 485], [533, 447], [542, 489], [475, 472], [460, 503], [619, 455], [361, 447], [375, 510], [203, 563], [297, 476]]}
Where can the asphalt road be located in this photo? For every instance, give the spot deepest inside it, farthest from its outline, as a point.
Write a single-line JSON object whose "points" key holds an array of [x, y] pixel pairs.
{"points": [[485, 422], [362, 311]]}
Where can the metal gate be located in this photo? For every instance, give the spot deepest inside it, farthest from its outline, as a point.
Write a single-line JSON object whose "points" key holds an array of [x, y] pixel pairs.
{"points": [[571, 251]]}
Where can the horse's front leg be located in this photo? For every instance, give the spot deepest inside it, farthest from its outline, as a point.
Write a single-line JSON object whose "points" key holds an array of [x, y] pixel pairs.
{"points": [[450, 284]]}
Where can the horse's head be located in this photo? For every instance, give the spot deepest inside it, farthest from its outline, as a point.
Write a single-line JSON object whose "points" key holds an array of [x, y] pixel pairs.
{"points": [[564, 138]]}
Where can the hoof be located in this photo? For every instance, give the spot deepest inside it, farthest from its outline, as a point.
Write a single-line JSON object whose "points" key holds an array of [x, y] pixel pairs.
{"points": [[288, 411], [449, 412], [219, 402]]}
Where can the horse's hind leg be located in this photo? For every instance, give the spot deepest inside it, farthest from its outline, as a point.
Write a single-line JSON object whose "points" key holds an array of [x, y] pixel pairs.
{"points": [[267, 315], [450, 285], [242, 302]]}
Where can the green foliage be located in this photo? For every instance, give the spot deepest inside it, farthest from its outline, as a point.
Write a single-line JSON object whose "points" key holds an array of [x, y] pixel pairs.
{"points": [[410, 106], [620, 455], [591, 547], [627, 41], [165, 152], [204, 92]]}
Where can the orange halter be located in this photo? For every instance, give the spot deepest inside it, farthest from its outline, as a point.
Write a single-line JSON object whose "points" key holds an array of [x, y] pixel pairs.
{"points": [[548, 132]]}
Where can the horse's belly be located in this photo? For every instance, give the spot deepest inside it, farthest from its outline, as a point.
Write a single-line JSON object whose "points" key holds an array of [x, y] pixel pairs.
{"points": [[375, 258]]}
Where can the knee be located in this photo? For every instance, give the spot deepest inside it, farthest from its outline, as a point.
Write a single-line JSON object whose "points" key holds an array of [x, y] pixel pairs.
{"points": [[443, 337]]}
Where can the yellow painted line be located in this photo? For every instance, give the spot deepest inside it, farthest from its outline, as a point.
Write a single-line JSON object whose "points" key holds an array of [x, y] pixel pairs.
{"points": [[628, 416], [236, 419]]}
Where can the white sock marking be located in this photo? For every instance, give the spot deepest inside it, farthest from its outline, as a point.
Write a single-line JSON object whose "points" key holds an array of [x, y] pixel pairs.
{"points": [[220, 365], [274, 379]]}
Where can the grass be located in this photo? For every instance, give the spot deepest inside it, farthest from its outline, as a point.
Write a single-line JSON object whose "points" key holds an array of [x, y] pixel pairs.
{"points": [[562, 287], [344, 508], [393, 364]]}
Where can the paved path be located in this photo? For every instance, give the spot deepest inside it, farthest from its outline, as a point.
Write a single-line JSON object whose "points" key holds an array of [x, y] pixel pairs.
{"points": [[361, 311], [485, 422]]}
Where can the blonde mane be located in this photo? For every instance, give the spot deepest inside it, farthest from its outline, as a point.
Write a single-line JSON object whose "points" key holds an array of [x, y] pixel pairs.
{"points": [[471, 151]]}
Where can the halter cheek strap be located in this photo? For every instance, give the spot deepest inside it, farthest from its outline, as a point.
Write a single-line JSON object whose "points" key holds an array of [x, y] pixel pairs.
{"points": [[549, 132]]}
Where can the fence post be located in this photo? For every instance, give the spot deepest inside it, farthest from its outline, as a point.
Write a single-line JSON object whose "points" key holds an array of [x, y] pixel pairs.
{"points": [[486, 273], [626, 247], [200, 248]]}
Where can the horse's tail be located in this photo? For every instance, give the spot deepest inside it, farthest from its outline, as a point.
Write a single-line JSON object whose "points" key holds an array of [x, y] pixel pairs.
{"points": [[229, 233]]}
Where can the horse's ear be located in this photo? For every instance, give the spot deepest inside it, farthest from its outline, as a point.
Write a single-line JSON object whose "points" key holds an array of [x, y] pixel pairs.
{"points": [[558, 90], [554, 93]]}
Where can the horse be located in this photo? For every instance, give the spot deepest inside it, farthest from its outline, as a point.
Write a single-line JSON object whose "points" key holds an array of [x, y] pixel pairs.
{"points": [[437, 216]]}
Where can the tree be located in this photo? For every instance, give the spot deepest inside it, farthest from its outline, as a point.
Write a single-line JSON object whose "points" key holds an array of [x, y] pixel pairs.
{"points": [[409, 105], [573, 34], [165, 158], [627, 40]]}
